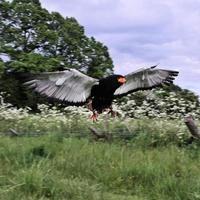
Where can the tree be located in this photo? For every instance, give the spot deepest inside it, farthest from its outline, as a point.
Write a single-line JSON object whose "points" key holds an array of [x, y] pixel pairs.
{"points": [[35, 40], [32, 38]]}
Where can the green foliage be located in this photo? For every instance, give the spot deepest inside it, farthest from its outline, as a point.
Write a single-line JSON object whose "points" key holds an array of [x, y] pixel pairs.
{"points": [[185, 94], [32, 62], [31, 31], [36, 2], [35, 40]]}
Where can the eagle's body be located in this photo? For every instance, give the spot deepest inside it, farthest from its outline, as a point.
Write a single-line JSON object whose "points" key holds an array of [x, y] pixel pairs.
{"points": [[103, 94], [77, 88]]}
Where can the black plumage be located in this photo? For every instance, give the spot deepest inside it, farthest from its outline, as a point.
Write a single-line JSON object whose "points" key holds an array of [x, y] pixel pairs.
{"points": [[103, 94]]}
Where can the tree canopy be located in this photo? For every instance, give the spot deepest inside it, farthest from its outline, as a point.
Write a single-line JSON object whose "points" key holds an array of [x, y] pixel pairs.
{"points": [[36, 40]]}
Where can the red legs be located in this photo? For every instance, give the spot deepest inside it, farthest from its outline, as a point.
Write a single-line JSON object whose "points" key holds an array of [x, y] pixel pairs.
{"points": [[94, 116]]}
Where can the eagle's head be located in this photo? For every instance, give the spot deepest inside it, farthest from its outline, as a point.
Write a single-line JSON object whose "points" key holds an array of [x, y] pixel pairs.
{"points": [[121, 79]]}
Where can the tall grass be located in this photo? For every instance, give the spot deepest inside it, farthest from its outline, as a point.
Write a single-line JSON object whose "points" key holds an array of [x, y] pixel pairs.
{"points": [[55, 167]]}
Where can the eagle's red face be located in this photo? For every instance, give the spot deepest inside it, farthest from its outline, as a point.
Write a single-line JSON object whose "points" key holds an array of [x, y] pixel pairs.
{"points": [[121, 80]]}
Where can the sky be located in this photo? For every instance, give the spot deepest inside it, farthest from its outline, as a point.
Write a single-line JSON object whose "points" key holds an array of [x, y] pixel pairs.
{"points": [[142, 33]]}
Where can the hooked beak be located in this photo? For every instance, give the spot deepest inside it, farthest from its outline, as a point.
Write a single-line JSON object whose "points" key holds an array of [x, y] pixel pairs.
{"points": [[122, 80]]}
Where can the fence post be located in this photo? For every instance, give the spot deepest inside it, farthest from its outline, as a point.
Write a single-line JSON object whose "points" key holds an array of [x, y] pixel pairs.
{"points": [[190, 123]]}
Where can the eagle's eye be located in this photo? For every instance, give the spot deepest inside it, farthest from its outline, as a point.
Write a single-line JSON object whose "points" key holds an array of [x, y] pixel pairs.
{"points": [[121, 80]]}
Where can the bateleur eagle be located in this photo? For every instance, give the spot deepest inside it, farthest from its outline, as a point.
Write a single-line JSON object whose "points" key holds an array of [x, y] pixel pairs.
{"points": [[77, 88]]}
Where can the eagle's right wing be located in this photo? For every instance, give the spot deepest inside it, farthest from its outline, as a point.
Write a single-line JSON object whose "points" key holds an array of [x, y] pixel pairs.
{"points": [[69, 85]]}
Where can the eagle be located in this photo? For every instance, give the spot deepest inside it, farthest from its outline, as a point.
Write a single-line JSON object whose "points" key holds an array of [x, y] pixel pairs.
{"points": [[74, 87]]}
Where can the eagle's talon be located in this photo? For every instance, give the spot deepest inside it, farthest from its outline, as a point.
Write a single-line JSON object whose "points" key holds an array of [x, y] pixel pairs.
{"points": [[94, 117]]}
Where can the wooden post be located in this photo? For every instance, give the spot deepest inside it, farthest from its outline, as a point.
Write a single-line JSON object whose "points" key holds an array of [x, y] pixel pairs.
{"points": [[190, 123], [13, 133]]}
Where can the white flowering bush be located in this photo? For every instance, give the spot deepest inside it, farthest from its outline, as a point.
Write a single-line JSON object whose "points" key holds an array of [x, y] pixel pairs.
{"points": [[134, 121], [8, 112], [158, 104]]}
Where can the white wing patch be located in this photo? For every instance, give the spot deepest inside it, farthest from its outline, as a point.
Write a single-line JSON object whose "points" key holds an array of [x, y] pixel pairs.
{"points": [[60, 81]]}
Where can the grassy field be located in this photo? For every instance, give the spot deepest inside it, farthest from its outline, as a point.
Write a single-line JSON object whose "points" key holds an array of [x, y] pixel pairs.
{"points": [[155, 162]]}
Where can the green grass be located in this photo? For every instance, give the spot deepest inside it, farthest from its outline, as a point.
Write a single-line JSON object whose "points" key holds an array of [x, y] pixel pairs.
{"points": [[55, 167]]}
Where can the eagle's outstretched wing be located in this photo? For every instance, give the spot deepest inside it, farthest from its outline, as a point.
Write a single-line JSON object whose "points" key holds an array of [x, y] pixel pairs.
{"points": [[69, 85], [144, 79]]}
